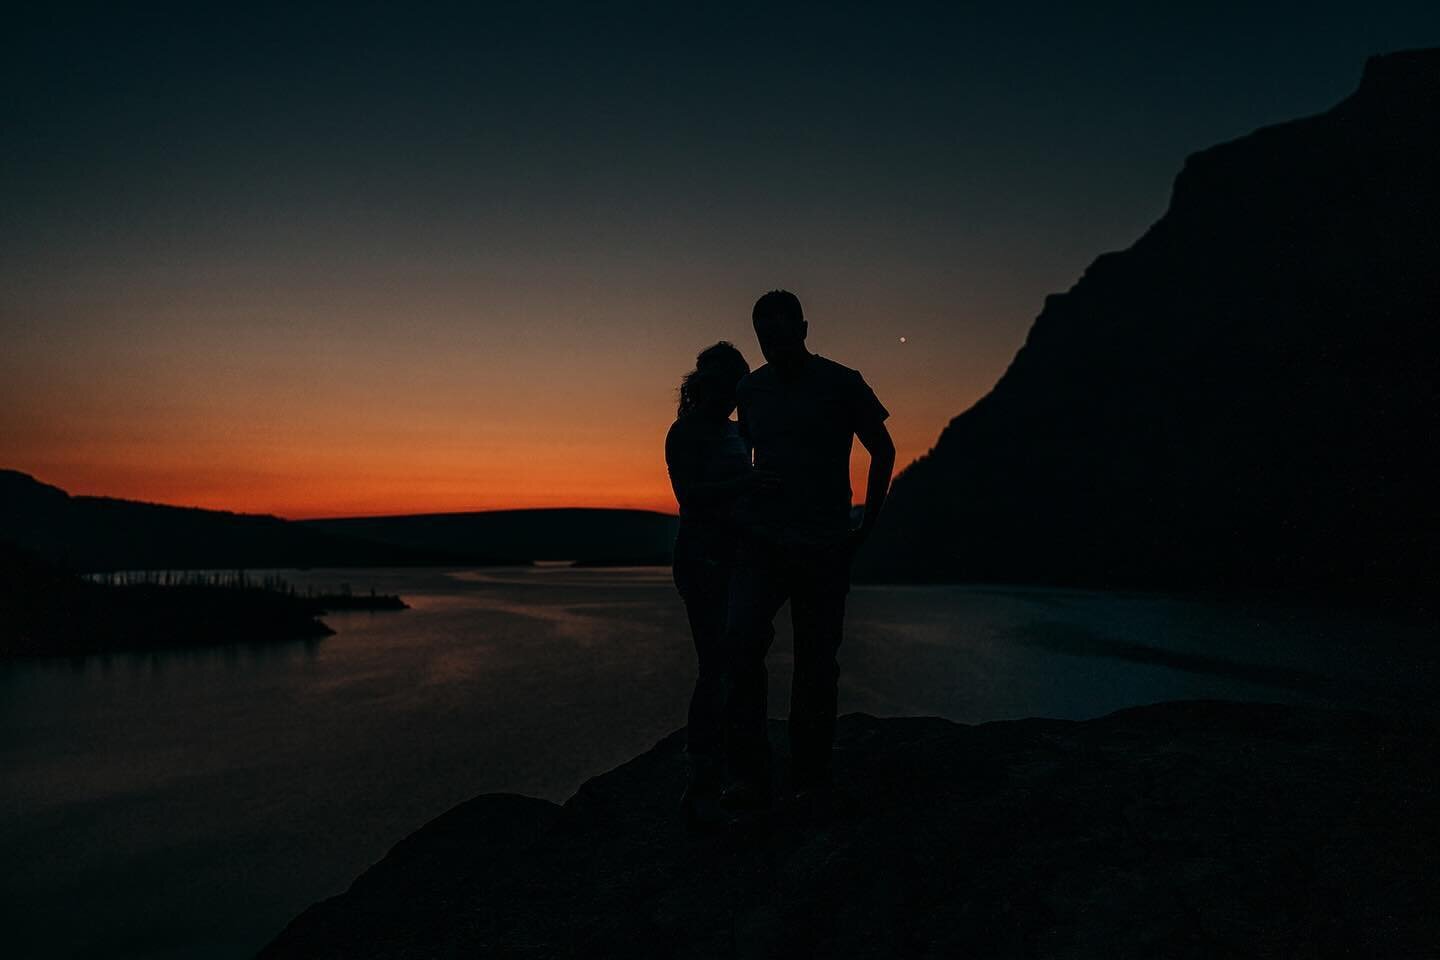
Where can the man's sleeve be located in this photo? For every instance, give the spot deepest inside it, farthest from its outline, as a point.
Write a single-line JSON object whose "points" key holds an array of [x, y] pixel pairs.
{"points": [[865, 408]]}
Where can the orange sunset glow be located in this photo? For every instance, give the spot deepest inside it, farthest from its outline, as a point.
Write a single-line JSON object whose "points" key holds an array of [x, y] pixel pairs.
{"points": [[371, 416], [323, 287], [347, 351]]}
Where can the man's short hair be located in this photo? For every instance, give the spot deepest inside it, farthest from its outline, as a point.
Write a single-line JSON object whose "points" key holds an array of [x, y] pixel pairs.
{"points": [[778, 305]]}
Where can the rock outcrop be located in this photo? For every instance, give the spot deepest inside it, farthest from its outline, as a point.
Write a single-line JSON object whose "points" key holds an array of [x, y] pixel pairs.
{"points": [[1196, 829], [1245, 398]]}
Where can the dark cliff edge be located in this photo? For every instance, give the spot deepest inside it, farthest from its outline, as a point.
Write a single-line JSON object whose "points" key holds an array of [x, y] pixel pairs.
{"points": [[1244, 399], [1194, 829]]}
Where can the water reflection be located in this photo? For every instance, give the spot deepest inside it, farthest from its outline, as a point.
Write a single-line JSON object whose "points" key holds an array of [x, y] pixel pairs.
{"points": [[1080, 641], [198, 798]]}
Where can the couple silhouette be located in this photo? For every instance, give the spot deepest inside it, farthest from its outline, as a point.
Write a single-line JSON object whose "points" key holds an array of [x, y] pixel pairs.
{"points": [[765, 517]]}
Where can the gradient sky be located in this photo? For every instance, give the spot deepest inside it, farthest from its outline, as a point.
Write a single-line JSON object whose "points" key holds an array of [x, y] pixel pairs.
{"points": [[393, 259]]}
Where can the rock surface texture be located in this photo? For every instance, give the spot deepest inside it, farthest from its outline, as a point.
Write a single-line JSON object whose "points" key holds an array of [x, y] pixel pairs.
{"points": [[1196, 829], [1245, 398]]}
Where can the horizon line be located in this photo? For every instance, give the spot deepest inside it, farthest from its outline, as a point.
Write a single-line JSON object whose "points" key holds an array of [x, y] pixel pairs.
{"points": [[305, 516]]}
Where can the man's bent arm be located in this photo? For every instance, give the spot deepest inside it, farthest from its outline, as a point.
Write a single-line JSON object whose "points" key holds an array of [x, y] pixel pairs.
{"points": [[876, 441]]}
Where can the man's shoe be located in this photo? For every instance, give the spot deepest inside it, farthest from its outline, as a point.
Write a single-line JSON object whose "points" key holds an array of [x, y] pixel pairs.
{"points": [[812, 792], [815, 801], [700, 804]]}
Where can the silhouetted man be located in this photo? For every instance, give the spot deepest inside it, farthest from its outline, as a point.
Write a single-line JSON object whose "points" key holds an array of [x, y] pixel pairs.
{"points": [[799, 413]]}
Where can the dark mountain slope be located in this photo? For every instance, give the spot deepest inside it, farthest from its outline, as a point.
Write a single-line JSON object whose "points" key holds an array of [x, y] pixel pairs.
{"points": [[102, 533], [1246, 398]]}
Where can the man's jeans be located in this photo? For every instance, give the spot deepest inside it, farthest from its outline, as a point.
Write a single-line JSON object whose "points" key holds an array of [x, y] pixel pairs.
{"points": [[815, 581]]}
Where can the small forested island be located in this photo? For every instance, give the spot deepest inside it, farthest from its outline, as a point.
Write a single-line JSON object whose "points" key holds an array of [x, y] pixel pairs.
{"points": [[46, 610]]}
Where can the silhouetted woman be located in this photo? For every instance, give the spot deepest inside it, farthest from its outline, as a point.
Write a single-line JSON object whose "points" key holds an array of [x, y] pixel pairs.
{"points": [[709, 468]]}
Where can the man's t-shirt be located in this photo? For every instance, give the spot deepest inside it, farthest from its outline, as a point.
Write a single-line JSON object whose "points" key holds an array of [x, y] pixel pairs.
{"points": [[801, 426]]}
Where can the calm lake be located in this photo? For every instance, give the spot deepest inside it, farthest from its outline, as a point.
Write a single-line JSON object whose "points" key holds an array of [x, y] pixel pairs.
{"points": [[188, 804]]}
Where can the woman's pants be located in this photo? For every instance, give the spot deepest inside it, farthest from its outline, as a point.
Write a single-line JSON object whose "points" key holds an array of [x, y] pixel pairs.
{"points": [[704, 731], [704, 585]]}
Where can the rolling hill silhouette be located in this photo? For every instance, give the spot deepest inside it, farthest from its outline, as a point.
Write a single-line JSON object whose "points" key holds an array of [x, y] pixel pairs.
{"points": [[584, 535], [1245, 398], [101, 533]]}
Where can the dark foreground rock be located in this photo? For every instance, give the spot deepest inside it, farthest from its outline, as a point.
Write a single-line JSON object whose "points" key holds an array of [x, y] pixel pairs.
{"points": [[1197, 829]]}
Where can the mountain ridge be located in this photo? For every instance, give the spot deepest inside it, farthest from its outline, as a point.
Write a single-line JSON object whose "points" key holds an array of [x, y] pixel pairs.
{"points": [[1241, 399]]}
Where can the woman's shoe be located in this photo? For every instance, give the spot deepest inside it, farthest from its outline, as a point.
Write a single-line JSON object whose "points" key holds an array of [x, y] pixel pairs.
{"points": [[746, 795], [700, 803]]}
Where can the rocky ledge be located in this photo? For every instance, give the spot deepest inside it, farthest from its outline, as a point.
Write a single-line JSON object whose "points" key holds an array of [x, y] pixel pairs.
{"points": [[1195, 829]]}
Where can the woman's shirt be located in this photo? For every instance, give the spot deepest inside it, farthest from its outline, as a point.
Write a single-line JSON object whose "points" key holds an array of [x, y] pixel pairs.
{"points": [[703, 451]]}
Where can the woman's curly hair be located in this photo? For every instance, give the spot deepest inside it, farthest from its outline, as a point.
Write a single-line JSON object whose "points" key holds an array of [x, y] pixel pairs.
{"points": [[717, 370]]}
